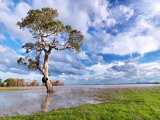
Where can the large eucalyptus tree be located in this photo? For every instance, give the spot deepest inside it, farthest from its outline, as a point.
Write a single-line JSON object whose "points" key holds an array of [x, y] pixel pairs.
{"points": [[49, 33]]}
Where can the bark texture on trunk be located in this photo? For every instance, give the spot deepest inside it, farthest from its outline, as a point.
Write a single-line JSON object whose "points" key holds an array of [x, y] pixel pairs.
{"points": [[49, 86], [47, 82]]}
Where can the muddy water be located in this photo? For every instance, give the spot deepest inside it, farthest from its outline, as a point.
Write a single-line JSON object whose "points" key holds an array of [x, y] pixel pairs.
{"points": [[33, 101]]}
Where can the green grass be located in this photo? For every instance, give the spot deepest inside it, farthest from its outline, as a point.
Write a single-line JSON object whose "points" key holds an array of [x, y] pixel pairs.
{"points": [[128, 104]]}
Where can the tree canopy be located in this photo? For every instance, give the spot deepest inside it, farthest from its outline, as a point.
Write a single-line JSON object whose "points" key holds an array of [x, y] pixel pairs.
{"points": [[10, 82]]}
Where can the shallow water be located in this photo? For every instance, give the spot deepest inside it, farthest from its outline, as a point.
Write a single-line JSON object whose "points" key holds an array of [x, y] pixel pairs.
{"points": [[33, 101]]}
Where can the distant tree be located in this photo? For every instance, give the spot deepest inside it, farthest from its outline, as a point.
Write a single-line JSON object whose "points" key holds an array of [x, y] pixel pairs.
{"points": [[49, 34], [27, 84], [35, 83], [57, 83], [2, 83], [10, 82], [20, 82]]}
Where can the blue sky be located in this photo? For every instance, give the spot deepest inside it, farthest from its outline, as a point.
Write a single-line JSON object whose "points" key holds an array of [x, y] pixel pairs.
{"points": [[121, 41]]}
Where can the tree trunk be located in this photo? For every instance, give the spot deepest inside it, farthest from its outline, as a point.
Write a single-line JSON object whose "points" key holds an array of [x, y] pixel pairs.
{"points": [[48, 83]]}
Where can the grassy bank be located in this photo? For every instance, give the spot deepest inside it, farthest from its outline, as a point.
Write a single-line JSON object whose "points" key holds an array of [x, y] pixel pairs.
{"points": [[5, 89], [123, 104]]}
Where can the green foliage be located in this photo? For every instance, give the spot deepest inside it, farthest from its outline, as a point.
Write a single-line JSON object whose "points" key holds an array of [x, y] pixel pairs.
{"points": [[10, 82], [75, 40], [22, 61], [2, 83], [29, 47], [42, 21], [32, 64], [49, 33], [27, 61], [129, 104]]}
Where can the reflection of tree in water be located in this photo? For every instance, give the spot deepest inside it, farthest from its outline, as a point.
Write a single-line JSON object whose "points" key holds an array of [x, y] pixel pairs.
{"points": [[46, 101]]}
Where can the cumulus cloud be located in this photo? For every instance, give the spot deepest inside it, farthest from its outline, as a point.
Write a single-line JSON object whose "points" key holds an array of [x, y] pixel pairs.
{"points": [[61, 62], [6, 53], [82, 55], [97, 58], [138, 35], [28, 77], [128, 12], [2, 37], [9, 67], [121, 72], [10, 15], [129, 42]]}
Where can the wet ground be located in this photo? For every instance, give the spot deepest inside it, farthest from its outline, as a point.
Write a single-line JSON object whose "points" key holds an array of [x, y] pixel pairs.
{"points": [[37, 100]]}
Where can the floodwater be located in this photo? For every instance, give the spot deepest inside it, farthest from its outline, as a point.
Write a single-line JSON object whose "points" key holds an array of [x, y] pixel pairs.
{"points": [[32, 101]]}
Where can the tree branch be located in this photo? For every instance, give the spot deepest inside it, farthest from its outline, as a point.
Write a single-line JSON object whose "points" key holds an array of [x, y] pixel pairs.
{"points": [[40, 69]]}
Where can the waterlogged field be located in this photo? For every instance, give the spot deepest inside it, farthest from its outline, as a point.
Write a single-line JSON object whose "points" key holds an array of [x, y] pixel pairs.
{"points": [[115, 104]]}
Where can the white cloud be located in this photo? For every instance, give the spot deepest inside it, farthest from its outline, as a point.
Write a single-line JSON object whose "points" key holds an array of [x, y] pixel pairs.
{"points": [[128, 43], [137, 36], [120, 72], [61, 56], [8, 55], [10, 68], [10, 17], [28, 77], [98, 68], [82, 55], [2, 37], [97, 58], [4, 5], [61, 62], [128, 12]]}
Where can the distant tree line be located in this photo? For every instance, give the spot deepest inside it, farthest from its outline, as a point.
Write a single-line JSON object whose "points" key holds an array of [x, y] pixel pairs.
{"points": [[57, 83], [12, 82]]}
